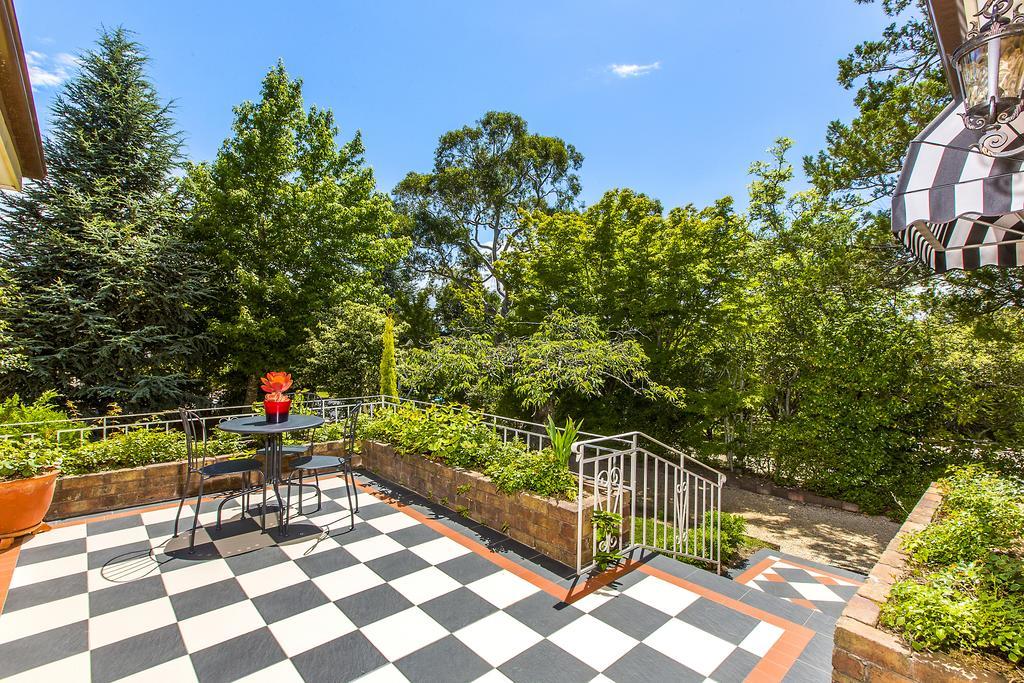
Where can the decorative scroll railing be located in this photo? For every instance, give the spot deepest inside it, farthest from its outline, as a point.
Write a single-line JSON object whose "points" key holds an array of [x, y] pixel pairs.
{"points": [[666, 500]]}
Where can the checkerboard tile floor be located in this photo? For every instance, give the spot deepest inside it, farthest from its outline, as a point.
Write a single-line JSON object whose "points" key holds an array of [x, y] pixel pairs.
{"points": [[824, 590], [395, 598]]}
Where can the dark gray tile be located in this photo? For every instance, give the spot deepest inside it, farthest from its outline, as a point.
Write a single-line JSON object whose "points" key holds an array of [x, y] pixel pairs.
{"points": [[125, 595], [340, 660], [326, 562], [543, 613], [42, 648], [46, 591], [779, 589], [669, 565], [545, 662], [804, 673], [373, 605], [289, 601], [207, 598], [461, 607], [831, 569], [362, 531], [553, 571], [398, 564], [821, 623], [136, 553], [257, 559], [719, 620], [414, 535], [238, 657], [818, 652], [736, 667], [773, 605], [468, 568], [446, 660], [160, 529], [644, 664], [795, 575], [116, 524], [32, 554], [630, 616], [375, 510], [136, 654], [719, 584], [833, 609]]}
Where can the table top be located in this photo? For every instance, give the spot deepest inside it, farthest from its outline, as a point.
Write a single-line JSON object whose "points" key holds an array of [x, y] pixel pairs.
{"points": [[257, 424]]}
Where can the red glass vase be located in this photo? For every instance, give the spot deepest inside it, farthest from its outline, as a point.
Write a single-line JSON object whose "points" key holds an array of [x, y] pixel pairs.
{"points": [[277, 411]]}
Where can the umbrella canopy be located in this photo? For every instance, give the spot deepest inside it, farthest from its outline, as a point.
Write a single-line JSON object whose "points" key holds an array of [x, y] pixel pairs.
{"points": [[956, 208]]}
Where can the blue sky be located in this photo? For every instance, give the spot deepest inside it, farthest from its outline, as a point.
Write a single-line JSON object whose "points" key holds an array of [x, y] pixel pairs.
{"points": [[673, 98]]}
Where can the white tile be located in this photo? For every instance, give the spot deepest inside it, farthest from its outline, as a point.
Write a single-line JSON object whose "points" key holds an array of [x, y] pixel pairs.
{"points": [[49, 615], [761, 639], [282, 672], [167, 515], [424, 585], [27, 574], [440, 550], [372, 548], [404, 633], [312, 628], [314, 545], [502, 589], [588, 603], [347, 581], [593, 642], [113, 539], [385, 674], [690, 646], [498, 637], [178, 670], [270, 579], [55, 535], [661, 595], [204, 630], [67, 670], [202, 573], [131, 621], [816, 591], [388, 523]]}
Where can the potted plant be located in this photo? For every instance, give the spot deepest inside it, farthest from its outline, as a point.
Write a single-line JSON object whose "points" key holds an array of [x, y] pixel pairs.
{"points": [[28, 474], [276, 404]]}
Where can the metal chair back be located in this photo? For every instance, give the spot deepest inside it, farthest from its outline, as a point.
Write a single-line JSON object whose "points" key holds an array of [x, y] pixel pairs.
{"points": [[195, 438], [350, 432]]}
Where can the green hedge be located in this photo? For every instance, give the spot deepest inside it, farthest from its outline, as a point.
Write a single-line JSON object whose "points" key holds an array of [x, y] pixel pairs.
{"points": [[458, 437], [966, 587]]}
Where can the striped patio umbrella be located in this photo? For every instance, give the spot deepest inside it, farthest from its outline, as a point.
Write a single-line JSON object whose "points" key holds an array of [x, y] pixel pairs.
{"points": [[956, 208]]}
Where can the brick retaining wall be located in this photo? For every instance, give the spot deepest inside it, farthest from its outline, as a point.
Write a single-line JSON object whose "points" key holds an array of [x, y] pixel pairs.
{"points": [[865, 653], [546, 524]]}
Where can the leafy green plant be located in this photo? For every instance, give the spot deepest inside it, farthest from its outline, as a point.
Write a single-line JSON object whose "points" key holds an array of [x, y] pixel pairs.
{"points": [[733, 535], [563, 439], [966, 587], [14, 410], [606, 525], [23, 458], [514, 469], [137, 448]]}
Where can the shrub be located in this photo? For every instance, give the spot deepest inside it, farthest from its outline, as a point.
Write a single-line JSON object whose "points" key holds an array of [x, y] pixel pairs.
{"points": [[140, 447], [22, 458], [14, 410], [513, 469], [966, 587]]}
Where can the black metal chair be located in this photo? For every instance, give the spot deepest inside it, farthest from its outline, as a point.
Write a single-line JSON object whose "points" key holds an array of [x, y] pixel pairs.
{"points": [[195, 439], [308, 462]]}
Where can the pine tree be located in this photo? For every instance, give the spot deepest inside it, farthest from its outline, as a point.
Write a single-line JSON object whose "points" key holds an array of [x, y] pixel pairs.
{"points": [[388, 378], [109, 291]]}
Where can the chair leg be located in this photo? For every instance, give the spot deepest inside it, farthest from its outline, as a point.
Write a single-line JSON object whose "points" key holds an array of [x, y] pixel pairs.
{"points": [[263, 510], [348, 492], [300, 491], [195, 519], [181, 503], [351, 476], [245, 493], [319, 493]]}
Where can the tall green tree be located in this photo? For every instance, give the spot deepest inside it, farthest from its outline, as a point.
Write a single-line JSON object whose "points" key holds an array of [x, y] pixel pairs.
{"points": [[388, 376], [467, 212], [293, 225], [110, 293]]}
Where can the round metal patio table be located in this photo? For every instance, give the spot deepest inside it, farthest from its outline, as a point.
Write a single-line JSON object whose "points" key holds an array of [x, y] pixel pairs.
{"points": [[273, 433]]}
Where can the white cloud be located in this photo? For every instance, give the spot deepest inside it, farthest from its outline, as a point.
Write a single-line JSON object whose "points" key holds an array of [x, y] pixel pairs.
{"points": [[633, 70], [48, 72]]}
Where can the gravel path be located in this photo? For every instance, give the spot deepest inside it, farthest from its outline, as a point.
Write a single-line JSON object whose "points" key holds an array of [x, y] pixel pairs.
{"points": [[843, 539]]}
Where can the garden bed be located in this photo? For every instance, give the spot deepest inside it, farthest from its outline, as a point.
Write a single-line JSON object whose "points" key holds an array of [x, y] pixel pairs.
{"points": [[545, 524], [883, 635]]}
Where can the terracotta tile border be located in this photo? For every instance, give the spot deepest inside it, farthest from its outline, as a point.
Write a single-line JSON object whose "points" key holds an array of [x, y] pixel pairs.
{"points": [[773, 666], [767, 563]]}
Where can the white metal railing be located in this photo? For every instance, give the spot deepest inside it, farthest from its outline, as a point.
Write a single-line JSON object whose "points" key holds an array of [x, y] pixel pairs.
{"points": [[674, 499]]}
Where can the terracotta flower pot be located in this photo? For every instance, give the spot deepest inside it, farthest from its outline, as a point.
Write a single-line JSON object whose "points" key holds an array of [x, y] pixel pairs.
{"points": [[24, 502], [277, 411]]}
